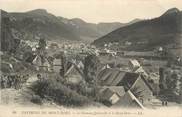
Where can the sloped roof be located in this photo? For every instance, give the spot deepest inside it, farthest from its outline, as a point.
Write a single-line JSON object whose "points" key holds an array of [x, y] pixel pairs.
{"points": [[147, 83], [72, 69], [140, 70], [119, 90], [110, 76], [80, 65], [57, 62], [129, 100], [115, 77], [69, 70], [37, 60], [50, 59], [134, 62], [137, 102], [129, 79], [30, 58], [107, 94], [134, 53]]}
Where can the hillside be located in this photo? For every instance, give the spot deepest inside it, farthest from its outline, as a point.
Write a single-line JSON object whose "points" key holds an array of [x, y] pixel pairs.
{"points": [[8, 40], [165, 30], [92, 31], [39, 23]]}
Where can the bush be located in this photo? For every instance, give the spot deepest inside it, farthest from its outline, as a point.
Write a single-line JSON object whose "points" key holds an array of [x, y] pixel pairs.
{"points": [[36, 99], [59, 93]]}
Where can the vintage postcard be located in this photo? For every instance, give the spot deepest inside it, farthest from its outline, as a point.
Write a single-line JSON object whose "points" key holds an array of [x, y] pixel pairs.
{"points": [[85, 58]]}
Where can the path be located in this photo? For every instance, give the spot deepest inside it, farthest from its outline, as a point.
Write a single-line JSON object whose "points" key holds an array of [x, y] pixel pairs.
{"points": [[22, 97], [11, 96]]}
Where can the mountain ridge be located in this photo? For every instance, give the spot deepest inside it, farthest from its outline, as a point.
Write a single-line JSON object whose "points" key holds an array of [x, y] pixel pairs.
{"points": [[39, 22], [161, 31]]}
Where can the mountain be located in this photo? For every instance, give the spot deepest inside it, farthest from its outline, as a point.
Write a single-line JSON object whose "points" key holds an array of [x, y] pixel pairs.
{"points": [[165, 30], [87, 31], [93, 31], [8, 42], [38, 23], [105, 28]]}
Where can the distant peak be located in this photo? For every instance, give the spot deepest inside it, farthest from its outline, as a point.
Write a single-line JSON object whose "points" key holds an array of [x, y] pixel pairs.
{"points": [[2, 10], [3, 13], [135, 20], [39, 11], [171, 11], [78, 20]]}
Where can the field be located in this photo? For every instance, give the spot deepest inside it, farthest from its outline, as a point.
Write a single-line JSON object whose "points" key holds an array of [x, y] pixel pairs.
{"points": [[148, 64]]}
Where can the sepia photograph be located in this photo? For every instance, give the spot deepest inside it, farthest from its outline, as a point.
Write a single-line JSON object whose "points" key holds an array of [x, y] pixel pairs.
{"points": [[120, 58]]}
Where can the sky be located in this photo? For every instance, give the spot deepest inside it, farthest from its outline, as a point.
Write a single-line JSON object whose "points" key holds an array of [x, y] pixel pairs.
{"points": [[95, 11]]}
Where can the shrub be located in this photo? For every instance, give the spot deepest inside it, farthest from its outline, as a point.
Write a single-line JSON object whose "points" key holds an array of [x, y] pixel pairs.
{"points": [[36, 99], [59, 93]]}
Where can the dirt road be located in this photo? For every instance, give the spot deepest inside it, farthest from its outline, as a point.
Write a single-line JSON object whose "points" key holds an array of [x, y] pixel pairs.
{"points": [[11, 96], [22, 97]]}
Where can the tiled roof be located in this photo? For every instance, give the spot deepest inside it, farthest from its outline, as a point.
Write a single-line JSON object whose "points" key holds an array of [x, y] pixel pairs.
{"points": [[110, 76], [129, 79]]}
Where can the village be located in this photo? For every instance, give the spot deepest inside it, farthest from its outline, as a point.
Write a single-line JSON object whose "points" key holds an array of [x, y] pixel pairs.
{"points": [[96, 76]]}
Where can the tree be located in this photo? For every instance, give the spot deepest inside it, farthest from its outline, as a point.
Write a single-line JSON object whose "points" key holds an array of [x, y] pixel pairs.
{"points": [[162, 79], [174, 85], [59, 93], [41, 50], [180, 90], [91, 66], [64, 63], [42, 43]]}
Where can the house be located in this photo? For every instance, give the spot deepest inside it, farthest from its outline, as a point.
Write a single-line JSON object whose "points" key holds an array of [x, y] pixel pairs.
{"points": [[41, 63], [147, 54], [138, 85], [109, 95], [30, 58], [57, 65], [107, 52], [127, 43], [110, 76], [120, 53], [140, 70], [7, 67], [129, 101], [80, 65], [54, 46], [130, 81], [50, 63], [133, 64], [73, 74], [105, 66], [153, 80]]}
